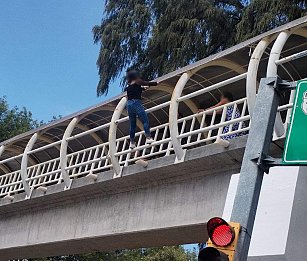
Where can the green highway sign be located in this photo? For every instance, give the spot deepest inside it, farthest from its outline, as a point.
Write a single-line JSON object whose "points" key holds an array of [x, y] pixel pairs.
{"points": [[295, 152]]}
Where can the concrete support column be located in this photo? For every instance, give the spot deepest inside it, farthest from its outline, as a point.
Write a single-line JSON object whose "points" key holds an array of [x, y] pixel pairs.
{"points": [[173, 116], [112, 136], [63, 152]]}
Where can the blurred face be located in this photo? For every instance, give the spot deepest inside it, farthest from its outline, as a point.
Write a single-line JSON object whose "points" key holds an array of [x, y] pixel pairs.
{"points": [[224, 99]]}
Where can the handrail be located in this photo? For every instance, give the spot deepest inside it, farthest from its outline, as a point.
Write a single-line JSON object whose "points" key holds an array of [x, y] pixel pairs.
{"points": [[11, 158], [154, 108], [45, 147], [213, 87], [291, 57]]}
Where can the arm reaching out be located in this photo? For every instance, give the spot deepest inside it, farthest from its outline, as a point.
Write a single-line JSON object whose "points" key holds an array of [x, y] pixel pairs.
{"points": [[222, 102], [145, 83]]}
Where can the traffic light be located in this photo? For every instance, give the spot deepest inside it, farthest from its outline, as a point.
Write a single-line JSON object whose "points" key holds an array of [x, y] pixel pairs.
{"points": [[222, 243]]}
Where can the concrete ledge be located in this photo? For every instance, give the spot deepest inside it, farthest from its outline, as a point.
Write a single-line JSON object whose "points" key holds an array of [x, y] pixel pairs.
{"points": [[206, 160]]}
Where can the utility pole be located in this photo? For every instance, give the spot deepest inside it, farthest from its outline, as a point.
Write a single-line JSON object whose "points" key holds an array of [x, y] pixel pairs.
{"points": [[254, 161]]}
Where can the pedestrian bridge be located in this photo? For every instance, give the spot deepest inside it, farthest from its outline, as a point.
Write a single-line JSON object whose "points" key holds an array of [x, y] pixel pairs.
{"points": [[75, 180]]}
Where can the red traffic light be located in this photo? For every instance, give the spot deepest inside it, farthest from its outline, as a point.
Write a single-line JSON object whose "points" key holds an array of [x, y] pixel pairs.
{"points": [[220, 232]]}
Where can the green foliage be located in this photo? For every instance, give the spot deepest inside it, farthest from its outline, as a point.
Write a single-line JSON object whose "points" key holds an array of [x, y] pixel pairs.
{"points": [[14, 121], [159, 36], [151, 254], [263, 15]]}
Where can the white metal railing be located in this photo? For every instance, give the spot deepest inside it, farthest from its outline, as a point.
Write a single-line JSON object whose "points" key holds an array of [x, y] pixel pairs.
{"points": [[91, 160], [197, 129], [10, 183], [194, 130]]}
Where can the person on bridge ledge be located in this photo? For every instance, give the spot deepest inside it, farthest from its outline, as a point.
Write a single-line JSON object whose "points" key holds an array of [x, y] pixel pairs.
{"points": [[135, 108], [227, 97]]}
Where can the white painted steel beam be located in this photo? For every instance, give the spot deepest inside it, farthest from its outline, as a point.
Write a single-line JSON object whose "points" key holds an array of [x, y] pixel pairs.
{"points": [[279, 128], [251, 80], [2, 149], [24, 164], [112, 136], [2, 166], [173, 115], [63, 152]]}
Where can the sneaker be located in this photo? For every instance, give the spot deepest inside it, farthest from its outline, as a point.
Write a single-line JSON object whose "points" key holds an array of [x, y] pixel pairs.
{"points": [[149, 140], [132, 145]]}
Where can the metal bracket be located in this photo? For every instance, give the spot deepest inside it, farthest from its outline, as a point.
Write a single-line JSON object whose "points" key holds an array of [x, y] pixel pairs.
{"points": [[278, 84], [30, 194], [265, 162], [286, 86], [182, 159], [119, 174]]}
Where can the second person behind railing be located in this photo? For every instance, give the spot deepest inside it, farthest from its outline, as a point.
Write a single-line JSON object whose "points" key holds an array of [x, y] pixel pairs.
{"points": [[232, 112], [136, 85]]}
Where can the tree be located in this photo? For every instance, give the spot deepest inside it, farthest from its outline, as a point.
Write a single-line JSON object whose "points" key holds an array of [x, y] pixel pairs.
{"points": [[14, 121], [159, 36], [263, 15], [176, 253]]}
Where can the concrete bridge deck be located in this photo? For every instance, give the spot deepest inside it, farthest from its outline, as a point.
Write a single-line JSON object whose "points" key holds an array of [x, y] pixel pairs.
{"points": [[164, 204]]}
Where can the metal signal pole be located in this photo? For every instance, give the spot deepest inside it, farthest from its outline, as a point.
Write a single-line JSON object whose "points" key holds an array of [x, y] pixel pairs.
{"points": [[254, 161]]}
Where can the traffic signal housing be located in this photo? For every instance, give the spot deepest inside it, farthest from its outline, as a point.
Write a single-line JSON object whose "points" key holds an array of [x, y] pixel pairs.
{"points": [[223, 239]]}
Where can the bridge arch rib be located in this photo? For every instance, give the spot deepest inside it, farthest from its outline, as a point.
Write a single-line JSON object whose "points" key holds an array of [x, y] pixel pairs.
{"points": [[178, 90]]}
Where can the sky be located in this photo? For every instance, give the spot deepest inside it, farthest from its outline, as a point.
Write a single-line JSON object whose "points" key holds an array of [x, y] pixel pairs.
{"points": [[47, 55]]}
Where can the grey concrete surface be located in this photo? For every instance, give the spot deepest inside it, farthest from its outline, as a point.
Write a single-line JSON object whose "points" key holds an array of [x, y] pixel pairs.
{"points": [[296, 248], [270, 258], [165, 204]]}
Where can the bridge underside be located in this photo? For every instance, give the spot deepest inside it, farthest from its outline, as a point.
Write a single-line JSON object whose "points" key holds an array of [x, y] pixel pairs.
{"points": [[165, 204]]}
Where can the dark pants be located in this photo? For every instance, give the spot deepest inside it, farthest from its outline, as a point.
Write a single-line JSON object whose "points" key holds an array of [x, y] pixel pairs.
{"points": [[135, 109]]}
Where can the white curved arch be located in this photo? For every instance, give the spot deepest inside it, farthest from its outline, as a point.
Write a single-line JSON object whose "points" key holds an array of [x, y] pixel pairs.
{"points": [[112, 136], [24, 165], [173, 115], [3, 167], [63, 152], [251, 79], [279, 128]]}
